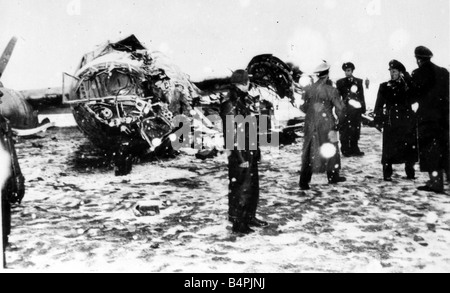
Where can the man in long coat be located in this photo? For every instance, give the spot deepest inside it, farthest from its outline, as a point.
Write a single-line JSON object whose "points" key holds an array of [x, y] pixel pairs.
{"points": [[394, 112], [13, 190], [320, 145], [243, 173], [351, 91], [430, 89]]}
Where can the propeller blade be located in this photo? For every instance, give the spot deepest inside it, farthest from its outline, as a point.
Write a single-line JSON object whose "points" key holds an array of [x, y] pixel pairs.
{"points": [[7, 55]]}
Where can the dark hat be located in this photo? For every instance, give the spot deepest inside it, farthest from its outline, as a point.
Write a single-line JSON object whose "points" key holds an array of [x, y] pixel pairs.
{"points": [[394, 64], [347, 65], [240, 76], [423, 52]]}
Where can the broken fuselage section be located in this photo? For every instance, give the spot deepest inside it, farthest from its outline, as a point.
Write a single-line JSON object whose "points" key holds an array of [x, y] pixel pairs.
{"points": [[124, 97]]}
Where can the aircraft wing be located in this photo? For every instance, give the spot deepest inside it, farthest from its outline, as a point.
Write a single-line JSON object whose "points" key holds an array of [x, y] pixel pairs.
{"points": [[46, 100]]}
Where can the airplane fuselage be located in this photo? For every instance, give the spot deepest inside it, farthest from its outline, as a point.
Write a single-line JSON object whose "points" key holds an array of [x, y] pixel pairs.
{"points": [[17, 110]]}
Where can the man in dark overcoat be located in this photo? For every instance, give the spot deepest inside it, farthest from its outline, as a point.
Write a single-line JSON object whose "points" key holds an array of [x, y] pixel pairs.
{"points": [[13, 190], [243, 174], [393, 112], [351, 91], [321, 145], [430, 89]]}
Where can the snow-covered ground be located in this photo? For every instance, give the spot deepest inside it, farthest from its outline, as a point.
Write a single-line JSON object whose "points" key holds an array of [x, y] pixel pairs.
{"points": [[77, 216]]}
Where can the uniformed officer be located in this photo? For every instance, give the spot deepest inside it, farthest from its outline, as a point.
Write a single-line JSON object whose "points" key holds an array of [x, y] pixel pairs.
{"points": [[243, 174], [430, 89], [393, 112], [352, 93]]}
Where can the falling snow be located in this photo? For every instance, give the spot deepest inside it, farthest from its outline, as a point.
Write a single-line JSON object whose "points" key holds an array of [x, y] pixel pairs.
{"points": [[77, 216]]}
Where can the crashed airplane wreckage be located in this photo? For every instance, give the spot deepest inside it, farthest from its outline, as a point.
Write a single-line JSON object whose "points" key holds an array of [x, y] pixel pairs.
{"points": [[124, 97]]}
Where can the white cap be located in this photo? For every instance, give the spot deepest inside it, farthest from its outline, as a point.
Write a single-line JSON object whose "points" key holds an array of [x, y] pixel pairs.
{"points": [[324, 66]]}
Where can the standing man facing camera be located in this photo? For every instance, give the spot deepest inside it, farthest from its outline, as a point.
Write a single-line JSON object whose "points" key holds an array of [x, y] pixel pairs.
{"points": [[351, 91], [243, 174], [394, 112]]}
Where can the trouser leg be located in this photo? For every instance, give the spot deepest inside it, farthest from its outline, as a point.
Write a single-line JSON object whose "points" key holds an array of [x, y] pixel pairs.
{"points": [[254, 177], [387, 170], [234, 192], [6, 220], [123, 159], [447, 155], [409, 169], [345, 142], [254, 221], [354, 146], [333, 176], [305, 175], [6, 224], [242, 201], [356, 133]]}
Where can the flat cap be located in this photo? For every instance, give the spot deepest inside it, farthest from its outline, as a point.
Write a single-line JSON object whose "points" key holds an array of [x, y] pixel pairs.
{"points": [[423, 52], [394, 64], [348, 65]]}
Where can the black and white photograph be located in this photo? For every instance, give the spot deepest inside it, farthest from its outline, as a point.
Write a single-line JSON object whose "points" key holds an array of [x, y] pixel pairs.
{"points": [[226, 137]]}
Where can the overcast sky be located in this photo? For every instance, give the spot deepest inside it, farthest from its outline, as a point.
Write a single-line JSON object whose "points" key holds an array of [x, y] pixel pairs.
{"points": [[208, 38]]}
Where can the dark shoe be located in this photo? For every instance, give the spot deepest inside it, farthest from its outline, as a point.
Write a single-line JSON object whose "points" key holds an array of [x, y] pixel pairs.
{"points": [[240, 227], [339, 179], [359, 154], [409, 177], [207, 154], [304, 187], [255, 222], [389, 179], [428, 188]]}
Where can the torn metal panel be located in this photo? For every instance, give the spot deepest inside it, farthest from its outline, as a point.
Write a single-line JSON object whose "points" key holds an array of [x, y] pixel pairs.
{"points": [[123, 91]]}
